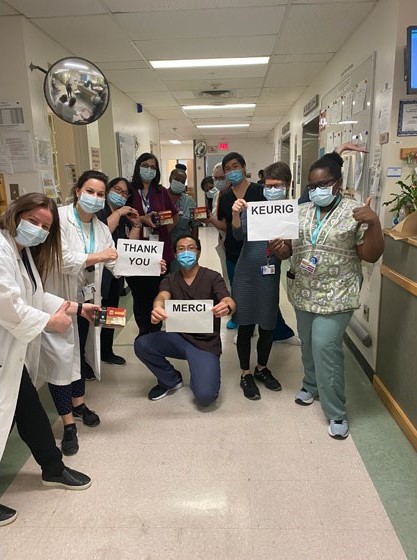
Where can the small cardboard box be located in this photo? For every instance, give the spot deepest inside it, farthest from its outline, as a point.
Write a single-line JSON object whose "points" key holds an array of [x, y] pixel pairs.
{"points": [[406, 228], [111, 317], [165, 218], [198, 213]]}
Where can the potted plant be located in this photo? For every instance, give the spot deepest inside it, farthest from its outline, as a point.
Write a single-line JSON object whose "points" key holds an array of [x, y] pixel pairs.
{"points": [[404, 202]]}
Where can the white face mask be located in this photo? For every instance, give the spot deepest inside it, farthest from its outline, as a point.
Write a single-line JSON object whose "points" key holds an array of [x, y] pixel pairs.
{"points": [[29, 235], [212, 192]]}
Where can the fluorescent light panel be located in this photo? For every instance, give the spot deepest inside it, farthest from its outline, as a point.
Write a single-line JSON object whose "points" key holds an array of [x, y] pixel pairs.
{"points": [[222, 125], [226, 106], [203, 62], [175, 142]]}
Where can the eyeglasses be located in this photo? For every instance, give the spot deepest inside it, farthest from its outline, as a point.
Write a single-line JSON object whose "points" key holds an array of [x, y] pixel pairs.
{"points": [[120, 191], [181, 248], [277, 186], [321, 185], [146, 166]]}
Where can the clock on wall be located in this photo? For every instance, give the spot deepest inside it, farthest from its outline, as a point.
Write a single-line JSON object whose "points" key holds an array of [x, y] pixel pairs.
{"points": [[200, 149]]}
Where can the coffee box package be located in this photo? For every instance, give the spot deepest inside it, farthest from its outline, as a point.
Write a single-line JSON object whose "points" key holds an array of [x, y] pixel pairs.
{"points": [[165, 218], [111, 317]]}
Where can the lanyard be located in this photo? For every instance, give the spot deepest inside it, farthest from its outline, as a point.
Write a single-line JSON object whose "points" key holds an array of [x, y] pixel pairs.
{"points": [[80, 227], [320, 223], [146, 203]]}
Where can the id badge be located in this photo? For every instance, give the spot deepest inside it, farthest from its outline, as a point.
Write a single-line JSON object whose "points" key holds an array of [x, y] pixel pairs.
{"points": [[267, 269], [309, 265], [146, 231], [154, 237], [88, 292]]}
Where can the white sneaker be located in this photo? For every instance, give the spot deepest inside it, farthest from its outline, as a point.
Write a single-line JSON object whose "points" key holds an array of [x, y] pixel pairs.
{"points": [[293, 341], [338, 429]]}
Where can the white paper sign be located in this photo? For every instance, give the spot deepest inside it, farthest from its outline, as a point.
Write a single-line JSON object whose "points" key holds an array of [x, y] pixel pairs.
{"points": [[138, 258], [189, 316], [272, 219]]}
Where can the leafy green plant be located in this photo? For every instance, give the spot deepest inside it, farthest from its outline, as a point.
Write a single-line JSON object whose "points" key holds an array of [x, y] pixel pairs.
{"points": [[405, 199]]}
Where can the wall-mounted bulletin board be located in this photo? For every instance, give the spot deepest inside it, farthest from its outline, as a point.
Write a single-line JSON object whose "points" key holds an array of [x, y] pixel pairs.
{"points": [[346, 116]]}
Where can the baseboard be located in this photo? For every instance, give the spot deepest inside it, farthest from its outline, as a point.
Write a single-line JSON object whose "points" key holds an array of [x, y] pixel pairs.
{"points": [[396, 411], [359, 357]]}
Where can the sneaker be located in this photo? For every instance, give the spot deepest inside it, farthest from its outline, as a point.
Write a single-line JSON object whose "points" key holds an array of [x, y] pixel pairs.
{"points": [[89, 417], [304, 397], [7, 515], [231, 325], [250, 389], [68, 479], [160, 391], [69, 443], [114, 360], [292, 340], [265, 376], [338, 429]]}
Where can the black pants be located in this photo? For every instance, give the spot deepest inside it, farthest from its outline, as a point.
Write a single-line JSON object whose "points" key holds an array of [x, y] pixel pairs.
{"points": [[107, 335], [264, 345], [144, 291], [83, 327], [35, 430]]}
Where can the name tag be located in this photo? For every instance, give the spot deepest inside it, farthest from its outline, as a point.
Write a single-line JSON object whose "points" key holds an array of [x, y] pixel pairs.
{"points": [[309, 265], [88, 292], [267, 269]]}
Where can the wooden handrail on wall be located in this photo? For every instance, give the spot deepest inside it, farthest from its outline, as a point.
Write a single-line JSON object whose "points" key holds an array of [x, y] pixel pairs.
{"points": [[399, 279]]}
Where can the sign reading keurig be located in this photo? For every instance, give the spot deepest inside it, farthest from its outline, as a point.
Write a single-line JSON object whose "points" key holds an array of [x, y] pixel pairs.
{"points": [[272, 219]]}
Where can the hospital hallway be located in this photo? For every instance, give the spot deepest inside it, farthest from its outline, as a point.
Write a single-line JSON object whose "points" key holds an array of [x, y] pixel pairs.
{"points": [[246, 480]]}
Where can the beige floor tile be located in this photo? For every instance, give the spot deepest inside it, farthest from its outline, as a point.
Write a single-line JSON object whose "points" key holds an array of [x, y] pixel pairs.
{"points": [[144, 543], [210, 544], [72, 543], [222, 505], [276, 505], [272, 428], [276, 461], [17, 540], [219, 462], [364, 545], [294, 544]]}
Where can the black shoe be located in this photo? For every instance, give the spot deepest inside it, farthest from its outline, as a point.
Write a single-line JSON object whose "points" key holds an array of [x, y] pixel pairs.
{"points": [[7, 515], [69, 479], [113, 359], [87, 372], [89, 417], [69, 443], [250, 389], [160, 391], [265, 376]]}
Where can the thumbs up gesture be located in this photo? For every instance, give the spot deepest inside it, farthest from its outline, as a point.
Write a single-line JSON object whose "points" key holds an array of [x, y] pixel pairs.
{"points": [[365, 214]]}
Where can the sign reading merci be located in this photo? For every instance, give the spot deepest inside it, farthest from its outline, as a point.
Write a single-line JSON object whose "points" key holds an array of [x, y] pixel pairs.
{"points": [[138, 258], [272, 219], [189, 316]]}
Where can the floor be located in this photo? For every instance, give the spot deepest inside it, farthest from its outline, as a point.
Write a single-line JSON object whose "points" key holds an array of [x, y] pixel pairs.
{"points": [[243, 480]]}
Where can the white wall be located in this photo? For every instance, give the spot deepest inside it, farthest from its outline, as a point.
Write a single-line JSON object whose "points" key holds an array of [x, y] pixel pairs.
{"points": [[173, 151], [377, 33]]}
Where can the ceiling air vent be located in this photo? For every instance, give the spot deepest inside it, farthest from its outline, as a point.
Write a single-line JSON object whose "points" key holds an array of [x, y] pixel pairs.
{"points": [[216, 93]]}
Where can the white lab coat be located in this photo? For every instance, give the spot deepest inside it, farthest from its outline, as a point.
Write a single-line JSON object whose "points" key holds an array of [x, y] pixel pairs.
{"points": [[68, 285], [24, 314]]}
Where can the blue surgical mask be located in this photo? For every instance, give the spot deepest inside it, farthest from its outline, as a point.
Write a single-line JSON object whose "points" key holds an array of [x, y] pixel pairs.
{"points": [[220, 184], [212, 193], [29, 235], [177, 187], [187, 259], [279, 193], [322, 197], [147, 174], [235, 176], [90, 204], [115, 199]]}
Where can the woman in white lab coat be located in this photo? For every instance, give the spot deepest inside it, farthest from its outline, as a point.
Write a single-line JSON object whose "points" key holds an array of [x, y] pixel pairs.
{"points": [[87, 246], [26, 311]]}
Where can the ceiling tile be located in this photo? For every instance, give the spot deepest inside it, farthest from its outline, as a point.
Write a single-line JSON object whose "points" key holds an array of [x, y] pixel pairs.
{"points": [[294, 74], [136, 80], [281, 95], [56, 8], [214, 73], [301, 57], [124, 65], [7, 10], [320, 27], [264, 20], [166, 112], [206, 47], [162, 5], [153, 98], [271, 110], [200, 85]]}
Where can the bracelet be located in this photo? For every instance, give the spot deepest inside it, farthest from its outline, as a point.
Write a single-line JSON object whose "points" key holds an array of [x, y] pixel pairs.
{"points": [[79, 309], [230, 309]]}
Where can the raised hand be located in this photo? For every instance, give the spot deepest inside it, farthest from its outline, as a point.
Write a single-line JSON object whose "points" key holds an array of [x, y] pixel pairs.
{"points": [[365, 214]]}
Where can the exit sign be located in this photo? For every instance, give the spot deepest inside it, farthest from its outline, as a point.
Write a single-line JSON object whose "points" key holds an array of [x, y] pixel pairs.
{"points": [[223, 147]]}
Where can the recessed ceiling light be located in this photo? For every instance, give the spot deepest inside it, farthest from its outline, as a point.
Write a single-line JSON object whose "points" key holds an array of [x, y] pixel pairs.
{"points": [[175, 142], [222, 125], [202, 62], [226, 106]]}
